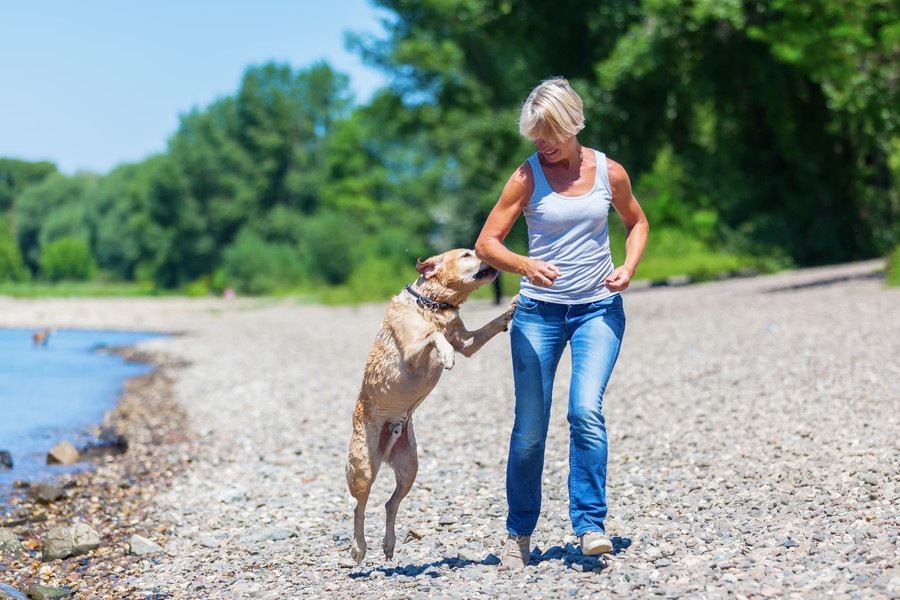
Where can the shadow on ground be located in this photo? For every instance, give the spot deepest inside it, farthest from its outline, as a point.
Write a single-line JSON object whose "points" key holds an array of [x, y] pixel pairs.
{"points": [[569, 554]]}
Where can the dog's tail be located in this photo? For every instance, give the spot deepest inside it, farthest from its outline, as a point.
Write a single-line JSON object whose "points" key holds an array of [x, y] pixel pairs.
{"points": [[389, 436]]}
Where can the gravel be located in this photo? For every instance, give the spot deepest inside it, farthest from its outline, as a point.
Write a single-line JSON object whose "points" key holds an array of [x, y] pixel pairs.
{"points": [[753, 450]]}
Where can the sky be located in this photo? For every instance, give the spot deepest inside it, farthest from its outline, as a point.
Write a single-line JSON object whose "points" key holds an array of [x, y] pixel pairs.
{"points": [[91, 84]]}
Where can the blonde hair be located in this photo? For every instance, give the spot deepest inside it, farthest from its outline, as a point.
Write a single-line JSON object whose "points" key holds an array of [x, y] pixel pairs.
{"points": [[552, 112]]}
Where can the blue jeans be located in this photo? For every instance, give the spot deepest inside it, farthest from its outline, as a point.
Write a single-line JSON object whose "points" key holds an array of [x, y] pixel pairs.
{"points": [[538, 335]]}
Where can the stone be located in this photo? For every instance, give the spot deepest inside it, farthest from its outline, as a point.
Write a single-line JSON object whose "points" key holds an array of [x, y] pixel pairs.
{"points": [[467, 555], [63, 542], [45, 493], [11, 593], [6, 461], [9, 542], [270, 534], [42, 592], [139, 546], [104, 448], [64, 453]]}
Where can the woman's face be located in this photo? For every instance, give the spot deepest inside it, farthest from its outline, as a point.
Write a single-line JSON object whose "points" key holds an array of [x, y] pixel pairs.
{"points": [[555, 151]]}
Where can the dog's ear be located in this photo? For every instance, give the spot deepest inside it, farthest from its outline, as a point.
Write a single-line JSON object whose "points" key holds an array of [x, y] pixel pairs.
{"points": [[427, 267]]}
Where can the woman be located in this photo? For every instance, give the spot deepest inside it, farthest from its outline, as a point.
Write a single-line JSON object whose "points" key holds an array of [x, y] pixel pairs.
{"points": [[569, 295]]}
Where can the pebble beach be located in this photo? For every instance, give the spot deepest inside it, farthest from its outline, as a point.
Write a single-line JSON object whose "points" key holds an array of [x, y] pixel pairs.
{"points": [[754, 428]]}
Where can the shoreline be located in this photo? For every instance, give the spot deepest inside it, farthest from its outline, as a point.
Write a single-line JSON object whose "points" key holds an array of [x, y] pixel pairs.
{"points": [[113, 494]]}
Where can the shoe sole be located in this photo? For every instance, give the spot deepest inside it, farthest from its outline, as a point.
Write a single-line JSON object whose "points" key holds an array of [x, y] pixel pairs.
{"points": [[601, 548]]}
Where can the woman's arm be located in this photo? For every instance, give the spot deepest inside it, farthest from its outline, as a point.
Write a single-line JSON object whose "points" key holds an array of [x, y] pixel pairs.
{"points": [[489, 246], [636, 226]]}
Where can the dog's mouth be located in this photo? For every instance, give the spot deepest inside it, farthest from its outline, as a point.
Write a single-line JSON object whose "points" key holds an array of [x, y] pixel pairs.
{"points": [[487, 271]]}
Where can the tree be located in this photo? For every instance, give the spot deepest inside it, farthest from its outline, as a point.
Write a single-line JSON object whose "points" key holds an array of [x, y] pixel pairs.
{"points": [[12, 266], [67, 258], [17, 175], [781, 114], [49, 210]]}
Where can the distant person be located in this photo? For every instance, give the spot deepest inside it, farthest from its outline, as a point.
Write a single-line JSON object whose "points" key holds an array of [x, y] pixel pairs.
{"points": [[569, 294]]}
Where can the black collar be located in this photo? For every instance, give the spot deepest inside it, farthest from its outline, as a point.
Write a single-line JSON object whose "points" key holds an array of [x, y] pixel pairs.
{"points": [[428, 303]]}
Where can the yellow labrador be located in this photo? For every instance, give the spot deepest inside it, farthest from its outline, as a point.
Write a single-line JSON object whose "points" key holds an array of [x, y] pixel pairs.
{"points": [[419, 337]]}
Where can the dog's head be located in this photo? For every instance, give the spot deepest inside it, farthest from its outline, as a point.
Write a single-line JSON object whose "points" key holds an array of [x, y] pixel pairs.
{"points": [[457, 271]]}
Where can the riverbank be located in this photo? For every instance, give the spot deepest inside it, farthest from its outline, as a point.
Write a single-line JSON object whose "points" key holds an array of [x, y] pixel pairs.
{"points": [[752, 426]]}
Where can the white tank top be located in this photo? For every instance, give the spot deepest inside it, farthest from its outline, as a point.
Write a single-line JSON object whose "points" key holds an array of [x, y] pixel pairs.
{"points": [[571, 233]]}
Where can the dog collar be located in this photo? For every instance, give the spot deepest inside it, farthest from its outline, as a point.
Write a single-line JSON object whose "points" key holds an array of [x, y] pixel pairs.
{"points": [[428, 303]]}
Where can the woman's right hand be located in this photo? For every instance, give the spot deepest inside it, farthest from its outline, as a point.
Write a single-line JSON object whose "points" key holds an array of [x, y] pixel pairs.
{"points": [[540, 273]]}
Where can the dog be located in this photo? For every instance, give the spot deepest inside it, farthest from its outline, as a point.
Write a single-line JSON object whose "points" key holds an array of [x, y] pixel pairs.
{"points": [[419, 338], [40, 338]]}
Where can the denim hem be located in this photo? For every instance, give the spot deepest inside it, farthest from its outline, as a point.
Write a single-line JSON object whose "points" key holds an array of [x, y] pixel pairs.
{"points": [[511, 532], [587, 531]]}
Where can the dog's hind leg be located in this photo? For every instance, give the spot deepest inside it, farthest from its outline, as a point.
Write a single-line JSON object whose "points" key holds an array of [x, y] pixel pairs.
{"points": [[405, 461], [362, 468]]}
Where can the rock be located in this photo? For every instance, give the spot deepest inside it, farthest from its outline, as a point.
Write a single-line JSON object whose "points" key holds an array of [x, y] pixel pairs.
{"points": [[42, 592], [45, 493], [19, 484], [62, 542], [102, 449], [140, 546], [9, 543], [467, 555], [64, 453], [11, 593], [270, 534], [6, 461]]}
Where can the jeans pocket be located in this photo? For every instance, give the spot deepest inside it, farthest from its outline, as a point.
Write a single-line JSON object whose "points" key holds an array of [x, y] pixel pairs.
{"points": [[527, 305]]}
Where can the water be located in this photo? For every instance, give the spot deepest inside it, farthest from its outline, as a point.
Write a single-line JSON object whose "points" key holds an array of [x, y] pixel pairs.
{"points": [[57, 392]]}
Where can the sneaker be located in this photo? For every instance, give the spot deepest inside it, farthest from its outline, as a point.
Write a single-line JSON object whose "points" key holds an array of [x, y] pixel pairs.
{"points": [[515, 553], [595, 542]]}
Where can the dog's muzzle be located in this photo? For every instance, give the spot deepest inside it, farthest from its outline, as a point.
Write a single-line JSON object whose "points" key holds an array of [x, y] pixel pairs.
{"points": [[485, 272]]}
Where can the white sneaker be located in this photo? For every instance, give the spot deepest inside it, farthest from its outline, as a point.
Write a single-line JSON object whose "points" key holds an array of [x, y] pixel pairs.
{"points": [[515, 553], [595, 542]]}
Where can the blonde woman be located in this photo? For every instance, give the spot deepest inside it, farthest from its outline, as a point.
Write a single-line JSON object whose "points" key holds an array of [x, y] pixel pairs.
{"points": [[570, 295]]}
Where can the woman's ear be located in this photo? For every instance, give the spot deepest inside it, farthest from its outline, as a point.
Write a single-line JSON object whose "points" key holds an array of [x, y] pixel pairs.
{"points": [[426, 267]]}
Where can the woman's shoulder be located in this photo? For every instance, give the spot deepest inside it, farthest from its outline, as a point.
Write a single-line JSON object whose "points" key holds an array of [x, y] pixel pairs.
{"points": [[524, 175], [615, 170]]}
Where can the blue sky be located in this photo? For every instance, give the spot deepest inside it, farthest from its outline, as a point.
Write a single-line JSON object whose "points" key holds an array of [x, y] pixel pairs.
{"points": [[94, 83]]}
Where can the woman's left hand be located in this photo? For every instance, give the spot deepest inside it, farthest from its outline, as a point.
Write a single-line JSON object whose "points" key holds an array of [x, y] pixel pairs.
{"points": [[619, 279]]}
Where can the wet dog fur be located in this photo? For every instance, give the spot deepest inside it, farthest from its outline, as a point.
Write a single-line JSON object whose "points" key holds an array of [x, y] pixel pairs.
{"points": [[417, 341]]}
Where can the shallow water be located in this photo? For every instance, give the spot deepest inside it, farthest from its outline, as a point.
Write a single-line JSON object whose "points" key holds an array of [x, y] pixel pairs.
{"points": [[57, 392]]}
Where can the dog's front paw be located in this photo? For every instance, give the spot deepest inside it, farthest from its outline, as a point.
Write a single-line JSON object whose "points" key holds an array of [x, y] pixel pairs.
{"points": [[510, 311], [447, 358]]}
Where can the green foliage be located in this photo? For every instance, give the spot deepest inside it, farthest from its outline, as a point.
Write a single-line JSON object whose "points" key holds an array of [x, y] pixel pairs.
{"points": [[893, 268], [16, 176], [49, 210], [12, 266], [67, 258], [253, 266]]}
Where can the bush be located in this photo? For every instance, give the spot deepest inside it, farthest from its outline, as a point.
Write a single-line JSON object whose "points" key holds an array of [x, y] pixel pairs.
{"points": [[254, 266], [330, 247], [12, 266], [67, 258], [893, 268]]}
